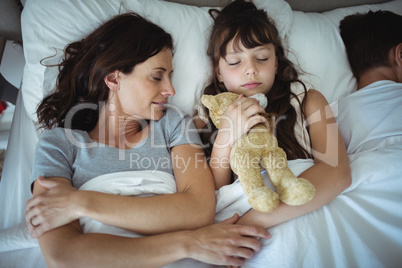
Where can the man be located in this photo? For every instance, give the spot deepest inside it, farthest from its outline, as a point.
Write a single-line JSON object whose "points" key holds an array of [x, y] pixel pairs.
{"points": [[370, 118]]}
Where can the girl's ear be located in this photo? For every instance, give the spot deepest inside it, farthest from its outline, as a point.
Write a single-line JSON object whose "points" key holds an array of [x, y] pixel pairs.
{"points": [[112, 81], [218, 74], [276, 65]]}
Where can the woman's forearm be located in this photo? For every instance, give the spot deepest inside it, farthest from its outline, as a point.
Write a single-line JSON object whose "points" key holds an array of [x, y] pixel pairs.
{"points": [[68, 247], [193, 206], [148, 215]]}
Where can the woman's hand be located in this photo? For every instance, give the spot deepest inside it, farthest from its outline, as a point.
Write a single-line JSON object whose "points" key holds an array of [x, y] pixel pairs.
{"points": [[51, 209], [227, 243], [240, 117]]}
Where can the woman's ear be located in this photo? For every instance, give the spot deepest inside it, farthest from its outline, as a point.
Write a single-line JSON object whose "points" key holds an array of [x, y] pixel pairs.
{"points": [[112, 81]]}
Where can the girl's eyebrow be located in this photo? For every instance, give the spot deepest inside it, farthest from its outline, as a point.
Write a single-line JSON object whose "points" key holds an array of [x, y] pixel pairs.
{"points": [[234, 52], [264, 47]]}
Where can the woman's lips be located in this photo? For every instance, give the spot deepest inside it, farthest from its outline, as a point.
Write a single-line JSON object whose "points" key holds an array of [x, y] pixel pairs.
{"points": [[160, 103], [251, 85]]}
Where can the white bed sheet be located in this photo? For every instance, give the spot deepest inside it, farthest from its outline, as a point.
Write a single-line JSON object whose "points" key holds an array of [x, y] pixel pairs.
{"points": [[360, 228], [14, 192]]}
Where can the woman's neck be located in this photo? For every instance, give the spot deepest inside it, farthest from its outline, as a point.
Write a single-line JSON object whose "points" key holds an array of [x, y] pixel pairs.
{"points": [[118, 131]]}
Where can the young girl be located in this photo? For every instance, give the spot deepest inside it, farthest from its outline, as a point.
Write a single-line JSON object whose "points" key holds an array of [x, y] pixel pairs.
{"points": [[248, 58]]}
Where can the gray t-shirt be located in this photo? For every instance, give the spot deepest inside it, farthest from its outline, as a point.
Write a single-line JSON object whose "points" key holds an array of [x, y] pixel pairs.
{"points": [[72, 154]]}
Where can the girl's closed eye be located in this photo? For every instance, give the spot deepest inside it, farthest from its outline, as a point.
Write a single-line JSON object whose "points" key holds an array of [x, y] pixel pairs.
{"points": [[234, 63]]}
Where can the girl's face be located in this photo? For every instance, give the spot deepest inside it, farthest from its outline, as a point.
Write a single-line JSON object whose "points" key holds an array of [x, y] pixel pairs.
{"points": [[145, 91], [248, 71]]}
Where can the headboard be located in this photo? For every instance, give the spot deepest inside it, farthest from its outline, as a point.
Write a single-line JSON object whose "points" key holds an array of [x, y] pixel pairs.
{"points": [[305, 5], [10, 10]]}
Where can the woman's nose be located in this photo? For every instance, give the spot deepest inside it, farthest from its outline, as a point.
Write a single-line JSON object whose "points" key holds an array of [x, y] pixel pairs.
{"points": [[168, 89]]}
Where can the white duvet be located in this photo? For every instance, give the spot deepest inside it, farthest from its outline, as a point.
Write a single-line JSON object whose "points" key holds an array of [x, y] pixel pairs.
{"points": [[230, 199], [131, 183], [360, 228]]}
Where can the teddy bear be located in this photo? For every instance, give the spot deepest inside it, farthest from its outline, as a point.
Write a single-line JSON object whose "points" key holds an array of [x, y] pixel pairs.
{"points": [[257, 149]]}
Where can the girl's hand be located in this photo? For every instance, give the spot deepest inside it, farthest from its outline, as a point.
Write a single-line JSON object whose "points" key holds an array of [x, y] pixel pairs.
{"points": [[227, 243], [240, 117], [51, 209]]}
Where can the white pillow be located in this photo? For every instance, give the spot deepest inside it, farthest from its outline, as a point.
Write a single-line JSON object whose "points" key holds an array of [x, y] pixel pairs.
{"points": [[48, 26], [313, 38], [190, 27], [315, 41]]}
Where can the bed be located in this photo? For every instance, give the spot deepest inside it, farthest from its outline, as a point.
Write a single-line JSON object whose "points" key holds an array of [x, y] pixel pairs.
{"points": [[360, 228]]}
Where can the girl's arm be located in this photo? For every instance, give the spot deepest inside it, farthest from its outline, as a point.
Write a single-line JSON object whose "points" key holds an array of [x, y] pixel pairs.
{"points": [[193, 206], [331, 173], [222, 244], [240, 116]]}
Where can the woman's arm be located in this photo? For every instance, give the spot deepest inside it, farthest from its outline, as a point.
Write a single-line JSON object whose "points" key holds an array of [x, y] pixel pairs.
{"points": [[223, 244], [331, 173], [192, 207]]}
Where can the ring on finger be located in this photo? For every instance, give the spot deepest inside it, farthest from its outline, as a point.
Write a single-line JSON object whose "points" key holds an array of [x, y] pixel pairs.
{"points": [[33, 225]]}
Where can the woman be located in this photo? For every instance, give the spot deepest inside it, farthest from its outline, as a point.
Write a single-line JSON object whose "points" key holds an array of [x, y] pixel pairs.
{"points": [[110, 103]]}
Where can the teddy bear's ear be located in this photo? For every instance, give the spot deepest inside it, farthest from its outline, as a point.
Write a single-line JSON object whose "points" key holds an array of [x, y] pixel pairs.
{"points": [[209, 101]]}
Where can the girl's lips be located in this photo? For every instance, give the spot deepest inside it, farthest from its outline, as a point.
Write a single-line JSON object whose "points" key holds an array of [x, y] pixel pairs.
{"points": [[251, 85]]}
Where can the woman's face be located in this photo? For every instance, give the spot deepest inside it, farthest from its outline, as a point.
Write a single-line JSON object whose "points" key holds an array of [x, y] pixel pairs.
{"points": [[144, 92], [248, 71]]}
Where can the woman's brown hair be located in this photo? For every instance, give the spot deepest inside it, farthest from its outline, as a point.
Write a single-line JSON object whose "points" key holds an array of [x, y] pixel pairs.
{"points": [[119, 44], [242, 22]]}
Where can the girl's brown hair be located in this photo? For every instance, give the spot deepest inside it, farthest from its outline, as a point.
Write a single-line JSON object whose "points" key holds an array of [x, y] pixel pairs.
{"points": [[119, 44], [242, 22]]}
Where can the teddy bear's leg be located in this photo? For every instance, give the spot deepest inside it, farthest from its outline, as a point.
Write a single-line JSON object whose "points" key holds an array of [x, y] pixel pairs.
{"points": [[292, 190], [259, 196]]}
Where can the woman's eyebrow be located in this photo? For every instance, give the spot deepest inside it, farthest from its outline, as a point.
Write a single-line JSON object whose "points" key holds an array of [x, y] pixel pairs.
{"points": [[160, 68], [163, 69]]}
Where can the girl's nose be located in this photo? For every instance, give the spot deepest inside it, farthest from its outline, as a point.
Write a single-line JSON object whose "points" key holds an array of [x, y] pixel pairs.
{"points": [[251, 69]]}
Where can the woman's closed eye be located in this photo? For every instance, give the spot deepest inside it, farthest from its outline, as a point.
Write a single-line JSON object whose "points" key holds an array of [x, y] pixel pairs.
{"points": [[262, 59]]}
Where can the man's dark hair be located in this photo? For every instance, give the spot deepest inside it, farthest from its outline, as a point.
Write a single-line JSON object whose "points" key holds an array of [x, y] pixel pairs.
{"points": [[368, 39]]}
